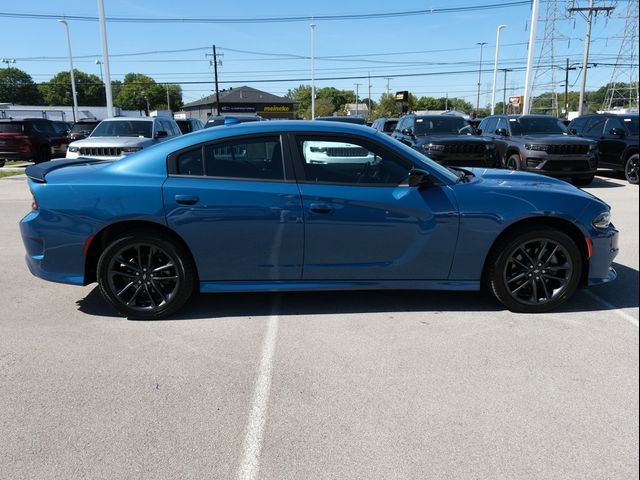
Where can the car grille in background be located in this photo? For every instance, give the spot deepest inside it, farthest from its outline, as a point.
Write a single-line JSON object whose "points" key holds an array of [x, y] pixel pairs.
{"points": [[101, 151], [567, 165], [465, 148], [567, 149], [346, 152]]}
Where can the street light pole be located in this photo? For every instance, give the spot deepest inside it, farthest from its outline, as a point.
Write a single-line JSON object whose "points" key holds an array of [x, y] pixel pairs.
{"points": [[313, 70], [482, 44], [535, 8], [504, 90], [105, 58], [73, 79], [98, 62], [495, 70]]}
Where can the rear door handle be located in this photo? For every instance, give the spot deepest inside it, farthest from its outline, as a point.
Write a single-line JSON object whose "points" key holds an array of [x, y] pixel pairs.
{"points": [[186, 199], [321, 208]]}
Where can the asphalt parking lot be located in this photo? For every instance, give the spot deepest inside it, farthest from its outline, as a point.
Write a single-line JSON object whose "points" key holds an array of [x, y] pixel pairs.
{"points": [[356, 385]]}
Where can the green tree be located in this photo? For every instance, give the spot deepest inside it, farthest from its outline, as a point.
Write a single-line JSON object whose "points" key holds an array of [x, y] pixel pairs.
{"points": [[140, 92], [17, 86], [387, 107], [338, 98], [302, 96], [89, 89]]}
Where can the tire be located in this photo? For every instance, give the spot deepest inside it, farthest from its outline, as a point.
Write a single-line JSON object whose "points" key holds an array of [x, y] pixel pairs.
{"points": [[43, 154], [534, 270], [582, 181], [631, 169], [513, 162], [138, 257]]}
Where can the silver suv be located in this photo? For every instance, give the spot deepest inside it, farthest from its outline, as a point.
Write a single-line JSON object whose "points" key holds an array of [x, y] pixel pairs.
{"points": [[117, 137]]}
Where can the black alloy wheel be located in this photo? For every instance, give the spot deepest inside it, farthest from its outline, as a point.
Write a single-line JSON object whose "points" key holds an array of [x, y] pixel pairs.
{"points": [[535, 270], [144, 277], [631, 169]]}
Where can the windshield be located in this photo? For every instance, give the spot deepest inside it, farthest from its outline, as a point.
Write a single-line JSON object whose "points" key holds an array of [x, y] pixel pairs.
{"points": [[439, 125], [537, 126], [10, 127], [632, 124], [123, 128]]}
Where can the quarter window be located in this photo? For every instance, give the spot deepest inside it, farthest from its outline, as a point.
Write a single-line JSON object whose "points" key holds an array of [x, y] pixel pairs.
{"points": [[612, 123], [595, 127], [333, 160], [190, 162]]}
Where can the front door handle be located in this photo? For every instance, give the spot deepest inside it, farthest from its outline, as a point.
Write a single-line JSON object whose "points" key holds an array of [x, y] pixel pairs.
{"points": [[321, 208], [186, 199]]}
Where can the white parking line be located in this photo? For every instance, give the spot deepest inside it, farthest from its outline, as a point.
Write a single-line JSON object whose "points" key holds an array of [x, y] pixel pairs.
{"points": [[615, 309], [252, 445]]}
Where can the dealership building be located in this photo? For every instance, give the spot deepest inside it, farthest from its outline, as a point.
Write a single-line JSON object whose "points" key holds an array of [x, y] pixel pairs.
{"points": [[241, 100]]}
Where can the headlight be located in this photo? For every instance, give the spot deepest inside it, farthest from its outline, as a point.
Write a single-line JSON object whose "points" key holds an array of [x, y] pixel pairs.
{"points": [[602, 221], [535, 147], [74, 149], [435, 147], [128, 150]]}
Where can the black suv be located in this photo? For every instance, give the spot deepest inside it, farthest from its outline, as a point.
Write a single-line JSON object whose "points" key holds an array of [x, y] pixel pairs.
{"points": [[541, 144], [617, 137], [385, 125], [446, 139], [188, 125]]}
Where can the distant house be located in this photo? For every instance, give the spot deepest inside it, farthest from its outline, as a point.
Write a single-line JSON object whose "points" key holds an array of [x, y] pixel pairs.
{"points": [[357, 110], [241, 100]]}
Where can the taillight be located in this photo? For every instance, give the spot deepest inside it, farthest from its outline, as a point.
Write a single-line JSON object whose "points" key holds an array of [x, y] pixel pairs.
{"points": [[34, 202]]}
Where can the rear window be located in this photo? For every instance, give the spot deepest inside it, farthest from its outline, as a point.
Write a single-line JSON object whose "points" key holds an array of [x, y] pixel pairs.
{"points": [[389, 126], [11, 127], [83, 127]]}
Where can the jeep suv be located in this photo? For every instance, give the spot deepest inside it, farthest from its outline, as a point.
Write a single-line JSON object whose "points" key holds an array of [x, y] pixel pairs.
{"points": [[116, 137], [445, 139], [33, 139], [617, 137], [541, 144]]}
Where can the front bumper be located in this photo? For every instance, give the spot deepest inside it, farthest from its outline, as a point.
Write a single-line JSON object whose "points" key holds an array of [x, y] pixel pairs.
{"points": [[559, 165], [605, 250]]}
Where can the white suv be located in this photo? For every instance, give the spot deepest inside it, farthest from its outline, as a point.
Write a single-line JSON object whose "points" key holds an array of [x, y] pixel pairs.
{"points": [[114, 138]]}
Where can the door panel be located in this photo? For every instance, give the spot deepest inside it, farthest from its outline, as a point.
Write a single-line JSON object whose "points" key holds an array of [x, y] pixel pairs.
{"points": [[383, 233]]}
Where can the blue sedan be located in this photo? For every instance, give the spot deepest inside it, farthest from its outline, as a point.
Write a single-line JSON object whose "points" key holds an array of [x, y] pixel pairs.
{"points": [[293, 205]]}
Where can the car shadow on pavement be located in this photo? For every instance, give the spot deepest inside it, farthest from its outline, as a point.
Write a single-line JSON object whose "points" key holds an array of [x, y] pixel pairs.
{"points": [[600, 181], [211, 306]]}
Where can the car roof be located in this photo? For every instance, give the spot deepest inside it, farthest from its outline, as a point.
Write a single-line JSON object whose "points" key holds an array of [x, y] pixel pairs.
{"points": [[134, 119]]}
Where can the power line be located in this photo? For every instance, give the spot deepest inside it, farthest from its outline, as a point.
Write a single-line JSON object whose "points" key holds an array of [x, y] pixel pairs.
{"points": [[252, 20]]}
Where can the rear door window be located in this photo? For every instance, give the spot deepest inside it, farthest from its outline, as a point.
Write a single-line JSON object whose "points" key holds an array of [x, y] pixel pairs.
{"points": [[595, 127], [251, 158]]}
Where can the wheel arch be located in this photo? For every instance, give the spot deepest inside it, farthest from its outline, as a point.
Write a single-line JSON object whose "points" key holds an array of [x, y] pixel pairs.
{"points": [[561, 224], [105, 236]]}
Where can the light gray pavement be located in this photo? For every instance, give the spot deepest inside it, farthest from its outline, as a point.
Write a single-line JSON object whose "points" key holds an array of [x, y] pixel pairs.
{"points": [[360, 385]]}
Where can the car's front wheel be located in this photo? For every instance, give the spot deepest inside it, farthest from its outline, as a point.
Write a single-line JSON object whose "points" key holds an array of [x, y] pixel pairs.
{"points": [[631, 169], [144, 277], [535, 269], [513, 162]]}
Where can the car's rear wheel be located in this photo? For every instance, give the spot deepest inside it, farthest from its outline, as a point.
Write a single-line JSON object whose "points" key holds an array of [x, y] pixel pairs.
{"points": [[535, 269], [631, 169], [144, 277], [582, 181], [513, 162]]}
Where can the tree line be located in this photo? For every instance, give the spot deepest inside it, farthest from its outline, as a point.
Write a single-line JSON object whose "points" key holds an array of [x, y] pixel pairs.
{"points": [[135, 92]]}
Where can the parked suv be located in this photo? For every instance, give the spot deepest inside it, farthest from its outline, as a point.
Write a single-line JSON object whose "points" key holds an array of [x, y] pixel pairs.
{"points": [[617, 137], [541, 144], [385, 125], [82, 129], [34, 139], [444, 138], [188, 125], [114, 138]]}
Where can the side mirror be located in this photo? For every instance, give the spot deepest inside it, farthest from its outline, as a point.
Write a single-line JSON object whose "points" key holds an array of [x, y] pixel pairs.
{"points": [[408, 132], [161, 134], [478, 131], [419, 178], [502, 132], [618, 132]]}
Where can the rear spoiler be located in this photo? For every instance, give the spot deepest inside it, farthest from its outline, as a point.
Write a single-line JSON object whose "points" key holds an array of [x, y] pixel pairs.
{"points": [[38, 172]]}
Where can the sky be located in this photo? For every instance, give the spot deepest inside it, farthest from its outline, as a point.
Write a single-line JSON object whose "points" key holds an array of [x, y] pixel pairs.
{"points": [[416, 52]]}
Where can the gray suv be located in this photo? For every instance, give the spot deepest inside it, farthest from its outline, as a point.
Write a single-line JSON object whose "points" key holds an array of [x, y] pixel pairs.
{"points": [[541, 144]]}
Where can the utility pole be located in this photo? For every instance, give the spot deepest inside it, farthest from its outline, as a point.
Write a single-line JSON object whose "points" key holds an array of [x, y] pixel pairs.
{"points": [[566, 88], [482, 44], [504, 90], [369, 97], [357, 110], [215, 75], [590, 10], [313, 70], [388, 79], [168, 101]]}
